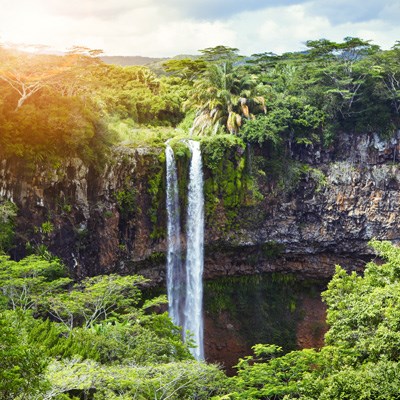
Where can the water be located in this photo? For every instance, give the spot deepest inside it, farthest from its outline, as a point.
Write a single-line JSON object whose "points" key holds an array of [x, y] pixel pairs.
{"points": [[193, 309], [185, 285], [175, 272]]}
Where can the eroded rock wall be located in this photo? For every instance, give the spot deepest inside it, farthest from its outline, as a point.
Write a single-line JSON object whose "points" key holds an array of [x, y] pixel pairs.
{"points": [[326, 219], [100, 217], [113, 218]]}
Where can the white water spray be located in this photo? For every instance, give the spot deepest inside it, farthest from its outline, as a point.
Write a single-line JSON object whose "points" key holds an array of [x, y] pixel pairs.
{"points": [[185, 286], [193, 310], [175, 272]]}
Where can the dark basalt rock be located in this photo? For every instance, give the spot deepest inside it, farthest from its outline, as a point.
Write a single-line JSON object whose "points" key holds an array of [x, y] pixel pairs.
{"points": [[113, 220], [314, 228]]}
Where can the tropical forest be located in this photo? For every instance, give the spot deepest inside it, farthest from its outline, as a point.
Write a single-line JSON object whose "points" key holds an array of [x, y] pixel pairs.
{"points": [[212, 226]]}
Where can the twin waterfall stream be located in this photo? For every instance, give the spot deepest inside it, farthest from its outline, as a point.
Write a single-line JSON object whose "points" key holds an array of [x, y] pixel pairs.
{"points": [[184, 280]]}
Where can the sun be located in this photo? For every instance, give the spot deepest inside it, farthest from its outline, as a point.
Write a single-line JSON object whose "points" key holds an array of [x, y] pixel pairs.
{"points": [[30, 24]]}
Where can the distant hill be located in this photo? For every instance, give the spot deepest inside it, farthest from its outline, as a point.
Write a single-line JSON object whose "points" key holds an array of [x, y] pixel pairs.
{"points": [[130, 60], [155, 64]]}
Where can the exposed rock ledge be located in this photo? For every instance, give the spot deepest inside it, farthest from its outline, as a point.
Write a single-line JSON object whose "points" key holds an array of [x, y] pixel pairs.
{"points": [[312, 228]]}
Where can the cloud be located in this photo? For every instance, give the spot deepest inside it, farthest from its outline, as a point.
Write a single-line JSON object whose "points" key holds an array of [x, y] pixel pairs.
{"points": [[155, 28], [391, 12], [193, 10], [220, 9], [183, 9], [284, 29], [103, 10], [278, 29], [344, 11], [183, 37], [140, 31]]}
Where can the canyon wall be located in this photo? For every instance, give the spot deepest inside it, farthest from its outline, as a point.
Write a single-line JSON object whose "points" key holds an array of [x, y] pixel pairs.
{"points": [[113, 218], [297, 217]]}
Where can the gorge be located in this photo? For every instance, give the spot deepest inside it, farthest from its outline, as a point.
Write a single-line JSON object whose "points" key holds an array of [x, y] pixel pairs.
{"points": [[258, 193], [114, 220]]}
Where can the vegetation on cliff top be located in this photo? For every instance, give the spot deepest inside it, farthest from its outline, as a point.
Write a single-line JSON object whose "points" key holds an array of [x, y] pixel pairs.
{"points": [[57, 106]]}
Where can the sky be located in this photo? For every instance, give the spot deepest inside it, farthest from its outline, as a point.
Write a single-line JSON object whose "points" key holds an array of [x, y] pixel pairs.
{"points": [[165, 28]]}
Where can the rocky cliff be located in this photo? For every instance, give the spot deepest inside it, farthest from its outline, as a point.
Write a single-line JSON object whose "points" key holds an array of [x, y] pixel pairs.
{"points": [[346, 196], [301, 213], [113, 218]]}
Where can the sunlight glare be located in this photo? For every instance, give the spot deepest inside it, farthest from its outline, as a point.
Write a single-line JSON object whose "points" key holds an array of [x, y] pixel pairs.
{"points": [[30, 23]]}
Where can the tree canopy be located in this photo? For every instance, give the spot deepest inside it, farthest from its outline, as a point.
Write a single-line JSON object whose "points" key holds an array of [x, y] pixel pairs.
{"points": [[360, 359], [75, 105], [97, 337]]}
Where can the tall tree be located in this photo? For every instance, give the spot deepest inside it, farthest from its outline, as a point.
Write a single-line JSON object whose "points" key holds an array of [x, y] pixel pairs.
{"points": [[21, 366], [225, 93]]}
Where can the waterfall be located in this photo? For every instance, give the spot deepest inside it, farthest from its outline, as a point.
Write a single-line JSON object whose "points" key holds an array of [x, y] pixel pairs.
{"points": [[175, 273], [185, 286], [193, 310]]}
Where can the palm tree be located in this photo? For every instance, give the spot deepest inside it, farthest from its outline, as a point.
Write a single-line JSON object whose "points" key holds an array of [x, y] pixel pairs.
{"points": [[224, 95]]}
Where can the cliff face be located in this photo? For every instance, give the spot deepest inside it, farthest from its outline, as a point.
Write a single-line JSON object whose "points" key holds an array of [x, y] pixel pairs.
{"points": [[317, 209], [319, 224], [100, 218], [114, 219]]}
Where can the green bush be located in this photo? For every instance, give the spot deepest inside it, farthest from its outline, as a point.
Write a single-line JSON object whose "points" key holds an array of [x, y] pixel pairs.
{"points": [[8, 213]]}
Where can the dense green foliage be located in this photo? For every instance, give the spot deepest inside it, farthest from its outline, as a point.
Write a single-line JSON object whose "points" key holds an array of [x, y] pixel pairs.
{"points": [[22, 366], [302, 97], [330, 86], [97, 338], [8, 213], [57, 106], [361, 357], [53, 106]]}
